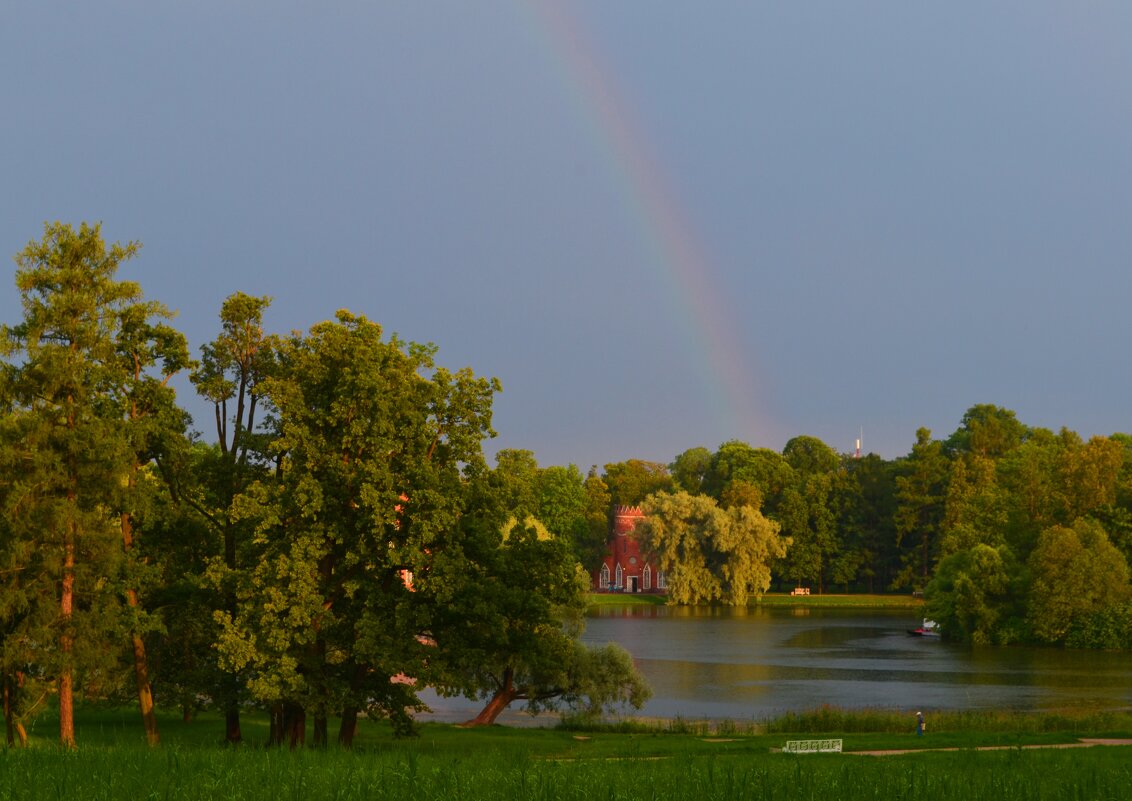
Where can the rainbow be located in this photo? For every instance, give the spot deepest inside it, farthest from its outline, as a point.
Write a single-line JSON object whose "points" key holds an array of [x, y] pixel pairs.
{"points": [[666, 230]]}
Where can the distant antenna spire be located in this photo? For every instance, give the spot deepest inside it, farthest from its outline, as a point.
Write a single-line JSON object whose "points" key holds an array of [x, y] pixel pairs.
{"points": [[857, 455]]}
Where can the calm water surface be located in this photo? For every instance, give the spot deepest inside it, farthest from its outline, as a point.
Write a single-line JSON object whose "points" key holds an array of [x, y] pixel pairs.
{"points": [[705, 662], [751, 664]]}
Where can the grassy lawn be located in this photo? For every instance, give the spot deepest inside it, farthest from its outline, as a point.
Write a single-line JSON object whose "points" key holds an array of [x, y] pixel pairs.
{"points": [[670, 760]]}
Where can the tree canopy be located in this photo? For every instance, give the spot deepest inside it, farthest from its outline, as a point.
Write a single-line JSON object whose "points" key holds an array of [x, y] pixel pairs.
{"points": [[340, 540], [709, 553]]}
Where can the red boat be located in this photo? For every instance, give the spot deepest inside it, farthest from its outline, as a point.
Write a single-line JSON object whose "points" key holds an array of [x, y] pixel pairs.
{"points": [[929, 628]]}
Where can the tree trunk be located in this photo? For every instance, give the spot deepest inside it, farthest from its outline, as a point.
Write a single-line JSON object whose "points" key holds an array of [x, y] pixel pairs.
{"points": [[320, 724], [500, 701], [349, 727], [275, 729], [295, 724], [8, 722], [141, 662], [145, 691], [232, 720], [232, 733], [66, 643]]}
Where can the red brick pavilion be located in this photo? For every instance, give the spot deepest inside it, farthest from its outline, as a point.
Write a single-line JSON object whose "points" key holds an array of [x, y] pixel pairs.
{"points": [[625, 567]]}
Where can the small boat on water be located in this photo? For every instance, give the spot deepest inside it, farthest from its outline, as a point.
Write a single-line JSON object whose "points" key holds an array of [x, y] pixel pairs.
{"points": [[929, 628]]}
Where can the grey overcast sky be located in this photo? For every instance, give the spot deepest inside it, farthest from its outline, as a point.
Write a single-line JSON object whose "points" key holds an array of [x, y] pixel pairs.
{"points": [[659, 224]]}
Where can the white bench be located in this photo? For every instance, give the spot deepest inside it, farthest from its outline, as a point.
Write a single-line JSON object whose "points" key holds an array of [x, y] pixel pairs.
{"points": [[812, 747]]}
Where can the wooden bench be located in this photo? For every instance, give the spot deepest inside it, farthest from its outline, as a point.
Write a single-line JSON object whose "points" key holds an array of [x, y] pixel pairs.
{"points": [[812, 747]]}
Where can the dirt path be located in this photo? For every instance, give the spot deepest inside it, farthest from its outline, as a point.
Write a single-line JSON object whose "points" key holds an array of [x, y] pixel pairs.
{"points": [[1083, 743]]}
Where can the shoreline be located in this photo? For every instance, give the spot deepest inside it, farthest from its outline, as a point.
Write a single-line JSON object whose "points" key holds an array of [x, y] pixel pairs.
{"points": [[597, 600]]}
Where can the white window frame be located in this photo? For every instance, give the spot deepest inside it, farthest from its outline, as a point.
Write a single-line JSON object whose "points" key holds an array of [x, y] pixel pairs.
{"points": [[646, 578], [603, 577]]}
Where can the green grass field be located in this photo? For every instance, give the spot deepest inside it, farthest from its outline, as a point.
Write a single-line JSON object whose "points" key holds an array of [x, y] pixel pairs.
{"points": [[673, 760]]}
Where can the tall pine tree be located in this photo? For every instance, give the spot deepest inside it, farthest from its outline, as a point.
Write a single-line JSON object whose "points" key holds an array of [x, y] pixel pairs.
{"points": [[74, 371]]}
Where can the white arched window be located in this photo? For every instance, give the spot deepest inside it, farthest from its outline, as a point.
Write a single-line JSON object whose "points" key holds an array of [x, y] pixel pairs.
{"points": [[620, 576], [603, 579], [646, 578], [661, 581]]}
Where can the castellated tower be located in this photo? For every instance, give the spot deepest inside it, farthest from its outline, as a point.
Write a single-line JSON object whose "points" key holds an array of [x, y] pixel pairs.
{"points": [[625, 568]]}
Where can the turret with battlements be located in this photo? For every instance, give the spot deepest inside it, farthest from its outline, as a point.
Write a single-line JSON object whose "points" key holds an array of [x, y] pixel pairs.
{"points": [[625, 567]]}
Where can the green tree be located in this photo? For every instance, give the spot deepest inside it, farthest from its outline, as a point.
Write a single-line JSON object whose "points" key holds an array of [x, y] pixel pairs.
{"points": [[631, 481], [1090, 473], [1028, 476], [75, 382], [761, 467], [976, 509], [921, 490], [970, 594], [511, 633], [231, 374], [375, 445], [866, 505], [561, 498], [1117, 516], [690, 469], [707, 553], [810, 455], [806, 517], [515, 480], [807, 513], [590, 542], [1076, 572], [741, 493], [987, 431], [562, 504], [177, 548], [149, 353]]}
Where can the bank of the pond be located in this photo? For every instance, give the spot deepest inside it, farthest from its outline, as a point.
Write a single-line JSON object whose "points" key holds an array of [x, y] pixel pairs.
{"points": [[841, 601], [600, 599], [777, 599]]}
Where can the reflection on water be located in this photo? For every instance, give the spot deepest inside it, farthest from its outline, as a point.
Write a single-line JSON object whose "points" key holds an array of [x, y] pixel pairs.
{"points": [[754, 663]]}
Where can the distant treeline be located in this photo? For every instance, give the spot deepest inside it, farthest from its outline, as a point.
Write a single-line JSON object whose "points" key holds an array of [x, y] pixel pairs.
{"points": [[1012, 533]]}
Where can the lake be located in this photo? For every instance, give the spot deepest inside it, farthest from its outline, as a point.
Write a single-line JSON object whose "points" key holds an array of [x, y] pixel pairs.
{"points": [[751, 664]]}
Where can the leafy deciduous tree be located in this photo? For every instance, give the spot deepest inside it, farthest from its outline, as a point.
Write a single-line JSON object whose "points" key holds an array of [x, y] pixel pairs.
{"points": [[631, 481], [1076, 572], [374, 443], [920, 493], [708, 553], [970, 594], [511, 632], [230, 375]]}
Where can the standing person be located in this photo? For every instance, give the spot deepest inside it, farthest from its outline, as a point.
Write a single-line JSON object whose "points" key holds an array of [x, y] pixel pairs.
{"points": [[920, 724]]}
